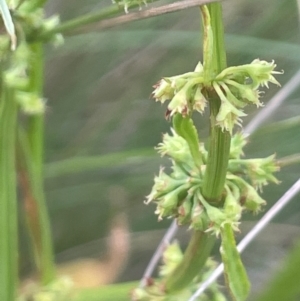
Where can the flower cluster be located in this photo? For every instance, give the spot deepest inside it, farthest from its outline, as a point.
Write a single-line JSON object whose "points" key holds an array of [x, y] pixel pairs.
{"points": [[184, 91], [16, 78], [16, 74], [238, 86], [179, 194], [235, 86]]}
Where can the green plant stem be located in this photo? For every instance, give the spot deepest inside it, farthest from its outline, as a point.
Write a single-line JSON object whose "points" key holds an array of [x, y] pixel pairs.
{"points": [[219, 141], [31, 147], [201, 243], [289, 160], [8, 200], [195, 256]]}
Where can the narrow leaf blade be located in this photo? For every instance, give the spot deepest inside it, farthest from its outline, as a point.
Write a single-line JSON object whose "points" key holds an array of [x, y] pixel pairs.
{"points": [[184, 127], [235, 273]]}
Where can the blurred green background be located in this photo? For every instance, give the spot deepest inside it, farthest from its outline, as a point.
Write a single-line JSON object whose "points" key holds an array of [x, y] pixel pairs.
{"points": [[101, 127]]}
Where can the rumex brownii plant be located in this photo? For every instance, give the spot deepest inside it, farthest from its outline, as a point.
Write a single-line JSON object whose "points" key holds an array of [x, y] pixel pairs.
{"points": [[207, 188]]}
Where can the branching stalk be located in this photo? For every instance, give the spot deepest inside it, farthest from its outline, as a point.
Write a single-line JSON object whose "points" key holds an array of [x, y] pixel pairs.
{"points": [[201, 243], [195, 256], [219, 140]]}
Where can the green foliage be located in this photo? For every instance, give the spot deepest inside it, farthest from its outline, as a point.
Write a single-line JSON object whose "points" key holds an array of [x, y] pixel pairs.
{"points": [[180, 195], [235, 273], [201, 191], [8, 200], [172, 256]]}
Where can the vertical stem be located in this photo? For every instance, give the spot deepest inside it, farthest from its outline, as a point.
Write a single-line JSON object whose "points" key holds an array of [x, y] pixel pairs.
{"points": [[31, 176], [219, 141], [8, 200], [195, 256], [201, 243]]}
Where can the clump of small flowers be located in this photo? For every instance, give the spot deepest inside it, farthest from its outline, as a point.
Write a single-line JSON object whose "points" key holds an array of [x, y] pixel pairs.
{"points": [[184, 92], [179, 193], [235, 86], [17, 72]]}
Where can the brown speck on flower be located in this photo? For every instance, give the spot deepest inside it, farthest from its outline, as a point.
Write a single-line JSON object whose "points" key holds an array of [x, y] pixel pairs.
{"points": [[168, 115]]}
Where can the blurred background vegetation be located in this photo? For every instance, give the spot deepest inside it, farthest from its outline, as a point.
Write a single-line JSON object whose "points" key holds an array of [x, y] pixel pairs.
{"points": [[101, 129]]}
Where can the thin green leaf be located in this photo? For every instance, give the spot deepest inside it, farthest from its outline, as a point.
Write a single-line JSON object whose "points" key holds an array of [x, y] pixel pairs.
{"points": [[8, 22], [185, 128], [8, 201], [235, 273]]}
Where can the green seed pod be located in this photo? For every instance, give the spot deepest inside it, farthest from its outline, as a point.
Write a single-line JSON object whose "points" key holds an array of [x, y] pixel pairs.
{"points": [[216, 216], [253, 202], [185, 210], [163, 91], [199, 220], [228, 115], [181, 102], [177, 148], [168, 203], [238, 141], [177, 83], [232, 208], [163, 184]]}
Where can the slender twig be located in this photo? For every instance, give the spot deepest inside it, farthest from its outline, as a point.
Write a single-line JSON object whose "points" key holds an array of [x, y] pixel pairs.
{"points": [[82, 23], [264, 221], [289, 160], [157, 254], [298, 3], [148, 13]]}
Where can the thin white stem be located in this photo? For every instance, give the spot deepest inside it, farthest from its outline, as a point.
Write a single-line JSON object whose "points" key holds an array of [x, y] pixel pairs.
{"points": [[298, 3], [143, 14], [263, 222], [158, 252]]}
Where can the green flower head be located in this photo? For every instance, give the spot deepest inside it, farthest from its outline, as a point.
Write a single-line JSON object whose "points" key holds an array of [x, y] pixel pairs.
{"points": [[261, 171], [163, 91]]}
